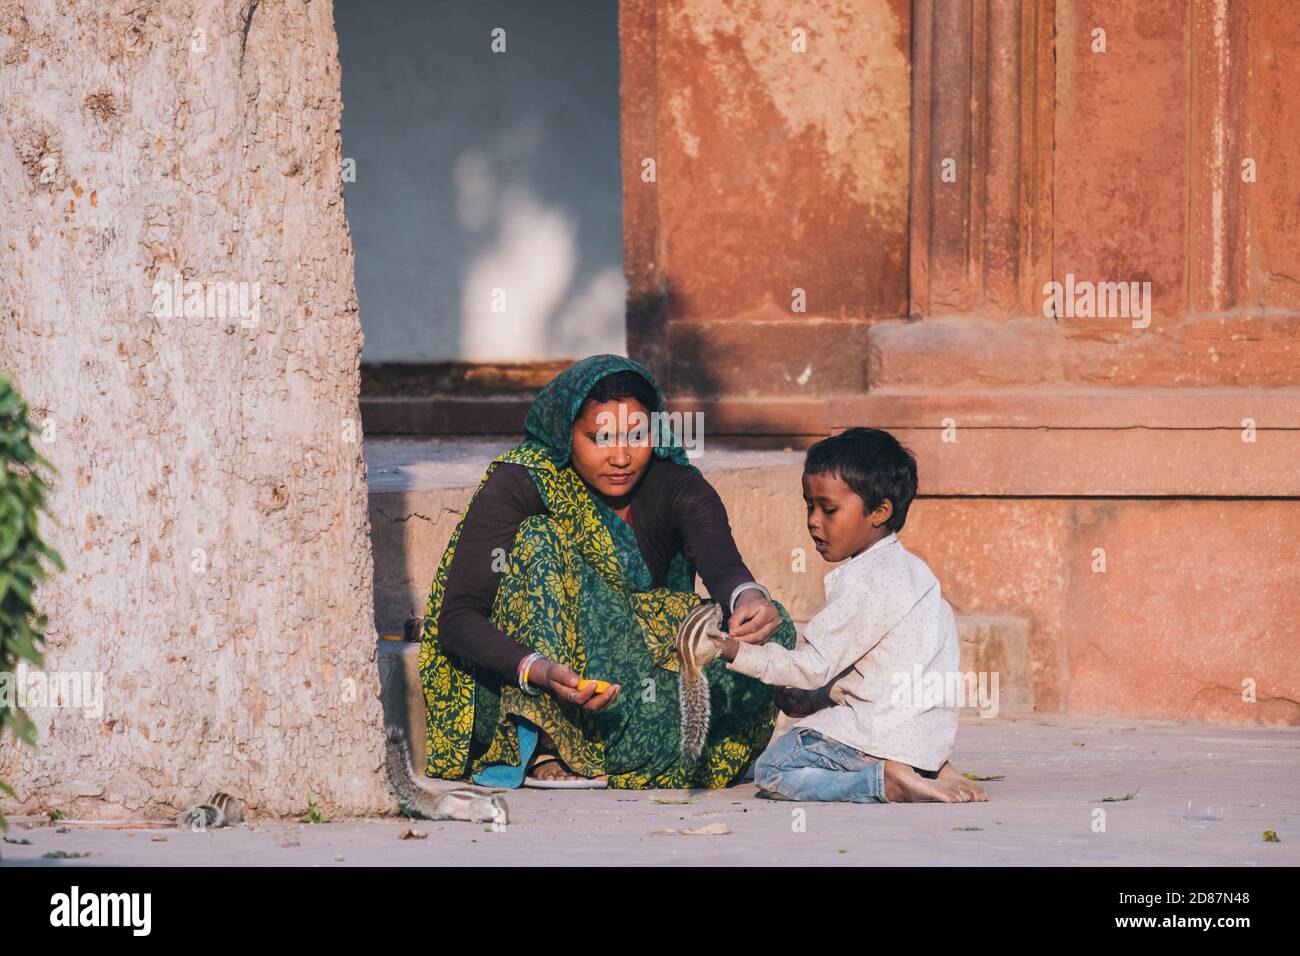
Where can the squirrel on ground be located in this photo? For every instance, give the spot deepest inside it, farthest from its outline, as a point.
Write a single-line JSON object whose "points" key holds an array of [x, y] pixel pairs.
{"points": [[222, 810], [698, 643], [464, 804]]}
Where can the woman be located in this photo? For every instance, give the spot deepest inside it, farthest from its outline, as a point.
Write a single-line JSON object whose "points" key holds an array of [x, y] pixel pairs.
{"points": [[576, 559]]}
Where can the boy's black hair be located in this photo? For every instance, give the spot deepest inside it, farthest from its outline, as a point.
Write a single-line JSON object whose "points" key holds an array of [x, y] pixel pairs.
{"points": [[871, 462], [624, 384]]}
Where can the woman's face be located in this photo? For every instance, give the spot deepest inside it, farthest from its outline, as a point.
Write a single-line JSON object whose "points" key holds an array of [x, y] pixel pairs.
{"points": [[611, 446]]}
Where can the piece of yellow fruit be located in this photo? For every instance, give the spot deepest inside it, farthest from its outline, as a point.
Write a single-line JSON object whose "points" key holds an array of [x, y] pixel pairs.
{"points": [[601, 685]]}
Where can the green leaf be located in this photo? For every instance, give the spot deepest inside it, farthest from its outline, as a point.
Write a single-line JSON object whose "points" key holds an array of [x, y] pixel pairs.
{"points": [[1127, 796], [4, 824], [24, 487]]}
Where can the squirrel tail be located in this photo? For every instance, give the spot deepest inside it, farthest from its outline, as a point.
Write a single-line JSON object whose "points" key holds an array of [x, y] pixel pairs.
{"points": [[402, 780], [694, 696]]}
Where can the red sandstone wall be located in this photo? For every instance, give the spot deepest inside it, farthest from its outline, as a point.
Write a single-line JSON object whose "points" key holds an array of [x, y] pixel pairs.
{"points": [[923, 171]]}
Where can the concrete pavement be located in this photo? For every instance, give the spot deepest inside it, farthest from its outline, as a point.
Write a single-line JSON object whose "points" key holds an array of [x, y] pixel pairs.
{"points": [[1056, 772]]}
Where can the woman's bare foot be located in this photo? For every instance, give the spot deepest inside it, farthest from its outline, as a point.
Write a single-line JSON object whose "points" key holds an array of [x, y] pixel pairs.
{"points": [[549, 767], [905, 785], [552, 769], [949, 772]]}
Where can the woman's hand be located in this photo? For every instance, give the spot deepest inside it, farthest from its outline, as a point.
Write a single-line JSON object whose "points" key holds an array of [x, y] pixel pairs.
{"points": [[563, 683], [754, 618]]}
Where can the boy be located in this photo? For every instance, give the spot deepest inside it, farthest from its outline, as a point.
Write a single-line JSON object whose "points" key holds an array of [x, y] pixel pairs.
{"points": [[856, 740]]}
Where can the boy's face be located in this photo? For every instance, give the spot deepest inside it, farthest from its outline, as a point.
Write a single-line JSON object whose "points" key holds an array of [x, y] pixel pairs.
{"points": [[836, 520]]}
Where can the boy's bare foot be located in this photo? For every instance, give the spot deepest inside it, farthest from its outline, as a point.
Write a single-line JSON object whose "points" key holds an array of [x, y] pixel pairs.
{"points": [[949, 772], [905, 785]]}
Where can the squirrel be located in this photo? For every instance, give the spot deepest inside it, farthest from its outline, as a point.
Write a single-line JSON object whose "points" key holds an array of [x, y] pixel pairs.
{"points": [[472, 805], [698, 643], [222, 810]]}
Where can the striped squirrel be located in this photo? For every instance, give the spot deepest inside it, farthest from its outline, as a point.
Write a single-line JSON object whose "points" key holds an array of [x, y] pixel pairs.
{"points": [[697, 644], [472, 805], [222, 810]]}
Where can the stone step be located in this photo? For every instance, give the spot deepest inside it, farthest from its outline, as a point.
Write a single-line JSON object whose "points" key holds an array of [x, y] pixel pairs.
{"points": [[998, 645]]}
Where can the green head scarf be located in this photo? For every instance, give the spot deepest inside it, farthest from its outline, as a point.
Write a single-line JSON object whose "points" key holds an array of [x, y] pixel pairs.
{"points": [[555, 409]]}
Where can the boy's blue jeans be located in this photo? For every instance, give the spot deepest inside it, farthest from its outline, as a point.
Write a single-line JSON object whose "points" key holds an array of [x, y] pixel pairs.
{"points": [[804, 765]]}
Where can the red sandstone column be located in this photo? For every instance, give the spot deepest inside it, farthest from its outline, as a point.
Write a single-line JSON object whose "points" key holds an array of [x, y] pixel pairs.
{"points": [[775, 228]]}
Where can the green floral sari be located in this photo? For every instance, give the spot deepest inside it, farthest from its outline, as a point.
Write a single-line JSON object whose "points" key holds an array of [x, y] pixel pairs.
{"points": [[575, 587]]}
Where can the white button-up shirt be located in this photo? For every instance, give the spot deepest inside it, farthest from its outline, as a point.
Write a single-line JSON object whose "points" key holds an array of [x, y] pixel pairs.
{"points": [[884, 628]]}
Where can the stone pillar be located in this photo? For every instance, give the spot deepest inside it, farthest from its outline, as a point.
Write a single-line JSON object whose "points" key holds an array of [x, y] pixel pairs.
{"points": [[982, 88], [772, 231]]}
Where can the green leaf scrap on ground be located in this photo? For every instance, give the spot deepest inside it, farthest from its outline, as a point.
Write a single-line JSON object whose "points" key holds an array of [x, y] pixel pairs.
{"points": [[975, 776], [672, 800], [966, 829], [1270, 836], [56, 815], [63, 855], [1127, 796], [1077, 744], [23, 842]]}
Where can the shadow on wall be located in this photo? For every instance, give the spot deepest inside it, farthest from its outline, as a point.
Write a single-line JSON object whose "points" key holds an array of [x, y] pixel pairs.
{"points": [[484, 181]]}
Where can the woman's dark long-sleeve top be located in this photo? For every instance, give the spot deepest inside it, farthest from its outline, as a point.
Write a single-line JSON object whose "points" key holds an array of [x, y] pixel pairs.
{"points": [[673, 507]]}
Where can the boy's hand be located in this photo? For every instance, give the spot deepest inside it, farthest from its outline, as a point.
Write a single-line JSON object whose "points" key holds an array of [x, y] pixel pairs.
{"points": [[754, 618]]}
